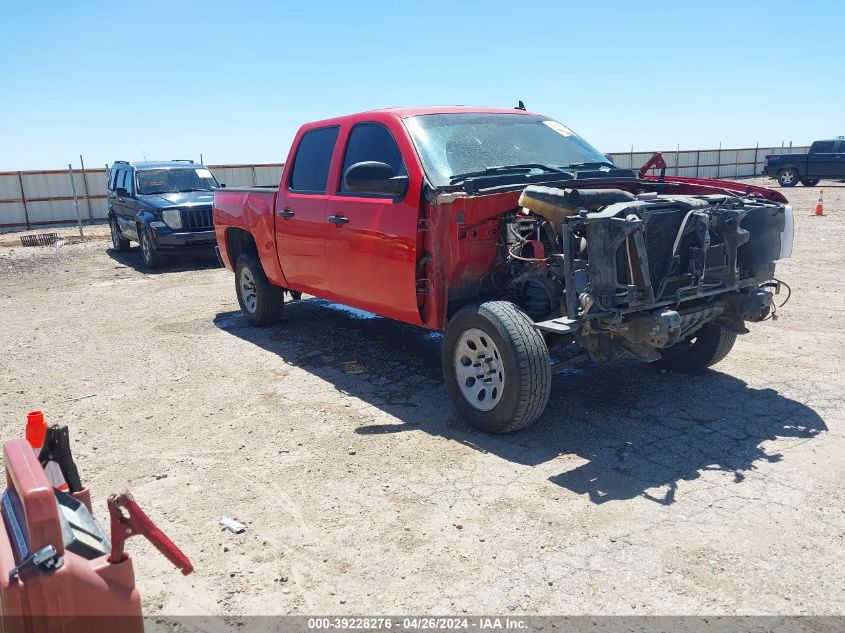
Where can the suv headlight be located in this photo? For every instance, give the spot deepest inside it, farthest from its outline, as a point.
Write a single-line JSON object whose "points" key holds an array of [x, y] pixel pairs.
{"points": [[173, 218]]}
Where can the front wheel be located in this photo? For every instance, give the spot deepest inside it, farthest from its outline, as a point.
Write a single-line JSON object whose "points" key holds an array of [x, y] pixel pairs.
{"points": [[809, 182], [149, 255], [496, 366], [698, 351], [788, 177], [261, 302], [119, 243]]}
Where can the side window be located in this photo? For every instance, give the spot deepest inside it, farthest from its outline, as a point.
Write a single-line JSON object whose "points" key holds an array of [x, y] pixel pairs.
{"points": [[372, 141], [118, 179], [129, 181], [113, 178], [312, 160], [822, 147]]}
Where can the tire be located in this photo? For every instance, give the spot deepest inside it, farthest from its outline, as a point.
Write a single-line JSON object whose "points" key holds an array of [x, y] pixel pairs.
{"points": [[149, 255], [699, 350], [119, 243], [810, 182], [788, 177], [517, 376], [261, 302]]}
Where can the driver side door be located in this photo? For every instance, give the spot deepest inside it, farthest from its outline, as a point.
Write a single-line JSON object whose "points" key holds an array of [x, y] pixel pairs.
{"points": [[371, 238]]}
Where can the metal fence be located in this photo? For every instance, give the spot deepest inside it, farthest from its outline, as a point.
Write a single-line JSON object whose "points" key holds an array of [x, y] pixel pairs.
{"points": [[30, 199], [707, 163]]}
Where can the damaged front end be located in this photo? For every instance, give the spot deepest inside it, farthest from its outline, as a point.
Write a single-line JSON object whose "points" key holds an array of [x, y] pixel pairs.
{"points": [[618, 273]]}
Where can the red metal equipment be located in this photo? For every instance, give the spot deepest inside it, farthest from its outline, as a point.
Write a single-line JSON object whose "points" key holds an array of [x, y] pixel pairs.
{"points": [[127, 519], [58, 571]]}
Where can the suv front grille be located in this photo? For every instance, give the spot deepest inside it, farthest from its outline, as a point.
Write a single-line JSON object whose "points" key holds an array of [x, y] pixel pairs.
{"points": [[197, 219]]}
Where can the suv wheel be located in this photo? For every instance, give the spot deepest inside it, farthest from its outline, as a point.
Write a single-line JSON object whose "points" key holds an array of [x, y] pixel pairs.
{"points": [[496, 366], [788, 177], [119, 243], [261, 302], [698, 351], [810, 182], [150, 256]]}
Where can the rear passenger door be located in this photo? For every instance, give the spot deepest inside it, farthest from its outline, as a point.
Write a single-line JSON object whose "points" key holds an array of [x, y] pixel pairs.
{"points": [[839, 158], [300, 218], [120, 204], [372, 251], [821, 161]]}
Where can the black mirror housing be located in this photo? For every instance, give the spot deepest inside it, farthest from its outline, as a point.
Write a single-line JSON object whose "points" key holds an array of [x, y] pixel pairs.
{"points": [[121, 192], [374, 178]]}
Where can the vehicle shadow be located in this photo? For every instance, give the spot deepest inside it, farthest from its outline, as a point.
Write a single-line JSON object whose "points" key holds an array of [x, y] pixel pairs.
{"points": [[175, 262], [637, 429]]}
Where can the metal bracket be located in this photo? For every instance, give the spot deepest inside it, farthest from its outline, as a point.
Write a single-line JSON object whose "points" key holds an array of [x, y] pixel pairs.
{"points": [[47, 558]]}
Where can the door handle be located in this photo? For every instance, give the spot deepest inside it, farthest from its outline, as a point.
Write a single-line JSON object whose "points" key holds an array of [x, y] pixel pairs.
{"points": [[285, 213], [338, 219]]}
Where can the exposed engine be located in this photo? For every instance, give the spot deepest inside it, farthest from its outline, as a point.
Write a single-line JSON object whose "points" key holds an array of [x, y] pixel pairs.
{"points": [[624, 273]]}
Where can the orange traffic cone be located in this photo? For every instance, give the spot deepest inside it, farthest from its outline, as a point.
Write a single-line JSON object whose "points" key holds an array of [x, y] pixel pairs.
{"points": [[820, 203]]}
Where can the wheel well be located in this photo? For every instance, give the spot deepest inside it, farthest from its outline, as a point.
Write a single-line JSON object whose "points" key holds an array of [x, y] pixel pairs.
{"points": [[782, 167], [238, 242]]}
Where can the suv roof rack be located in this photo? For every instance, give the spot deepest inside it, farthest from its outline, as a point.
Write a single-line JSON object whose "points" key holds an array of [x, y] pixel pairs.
{"points": [[122, 162], [181, 160]]}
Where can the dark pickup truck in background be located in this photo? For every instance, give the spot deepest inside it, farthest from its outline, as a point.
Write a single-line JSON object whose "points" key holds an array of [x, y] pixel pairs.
{"points": [[826, 159]]}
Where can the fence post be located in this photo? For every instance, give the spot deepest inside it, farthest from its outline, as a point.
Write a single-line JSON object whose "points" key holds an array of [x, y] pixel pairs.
{"points": [[75, 201], [254, 181], [719, 161], [697, 161], [85, 186], [23, 199], [756, 152], [631, 160], [678, 160]]}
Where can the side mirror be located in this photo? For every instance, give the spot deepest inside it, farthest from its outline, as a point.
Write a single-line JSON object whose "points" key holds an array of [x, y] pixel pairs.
{"points": [[374, 178], [121, 192], [222, 185]]}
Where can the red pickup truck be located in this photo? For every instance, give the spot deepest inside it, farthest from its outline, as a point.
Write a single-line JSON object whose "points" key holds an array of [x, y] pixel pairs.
{"points": [[515, 236]]}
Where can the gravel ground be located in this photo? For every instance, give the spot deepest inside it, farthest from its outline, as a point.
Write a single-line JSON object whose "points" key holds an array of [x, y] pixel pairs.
{"points": [[331, 437]]}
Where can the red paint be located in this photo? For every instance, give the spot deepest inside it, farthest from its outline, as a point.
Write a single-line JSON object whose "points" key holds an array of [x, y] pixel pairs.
{"points": [[406, 259]]}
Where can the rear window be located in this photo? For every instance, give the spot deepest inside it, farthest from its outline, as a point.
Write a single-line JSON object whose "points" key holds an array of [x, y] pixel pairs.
{"points": [[822, 147], [312, 161]]}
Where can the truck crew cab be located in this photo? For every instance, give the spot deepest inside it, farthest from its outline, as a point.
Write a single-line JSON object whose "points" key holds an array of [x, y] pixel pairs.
{"points": [[826, 159], [511, 233], [164, 206]]}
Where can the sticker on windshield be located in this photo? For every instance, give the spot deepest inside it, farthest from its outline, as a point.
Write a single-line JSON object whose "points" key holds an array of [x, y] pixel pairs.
{"points": [[203, 173], [560, 128]]}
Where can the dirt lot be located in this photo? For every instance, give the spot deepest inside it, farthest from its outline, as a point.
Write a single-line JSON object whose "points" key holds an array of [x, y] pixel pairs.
{"points": [[332, 438]]}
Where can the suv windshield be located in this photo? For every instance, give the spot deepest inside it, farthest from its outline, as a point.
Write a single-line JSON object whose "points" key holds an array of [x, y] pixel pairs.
{"points": [[457, 146], [175, 179]]}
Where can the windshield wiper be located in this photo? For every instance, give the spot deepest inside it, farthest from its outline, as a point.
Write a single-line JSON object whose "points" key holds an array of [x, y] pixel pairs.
{"points": [[591, 165], [504, 169], [193, 189], [151, 193]]}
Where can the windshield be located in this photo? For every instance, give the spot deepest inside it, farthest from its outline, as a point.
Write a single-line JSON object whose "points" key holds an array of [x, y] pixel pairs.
{"points": [[175, 179], [453, 146]]}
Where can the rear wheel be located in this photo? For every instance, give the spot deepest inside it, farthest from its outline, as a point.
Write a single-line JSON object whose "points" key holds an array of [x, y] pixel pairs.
{"points": [[150, 256], [118, 242], [699, 350], [496, 367], [788, 177], [810, 182], [261, 302]]}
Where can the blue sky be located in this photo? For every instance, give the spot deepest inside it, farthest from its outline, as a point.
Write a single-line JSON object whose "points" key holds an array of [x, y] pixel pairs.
{"points": [[233, 80]]}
